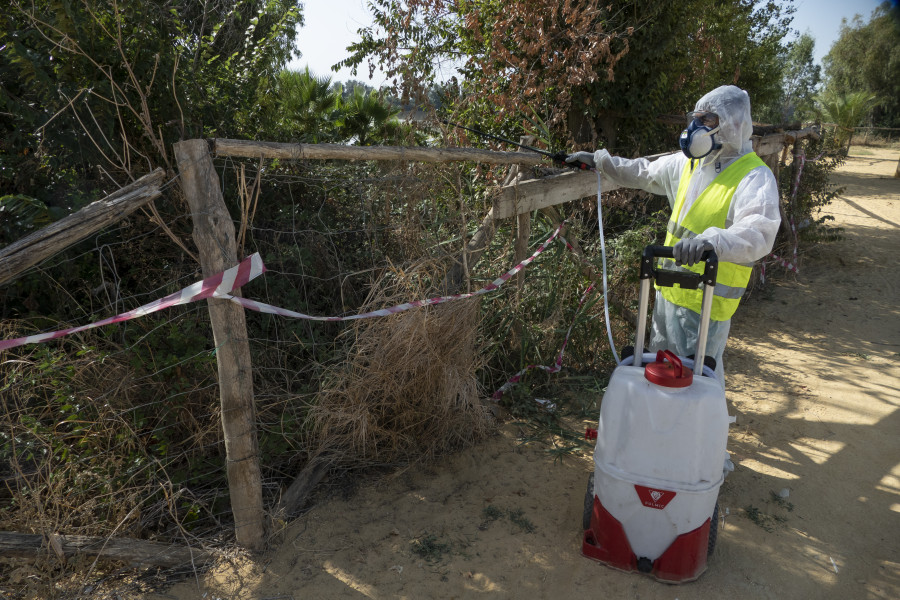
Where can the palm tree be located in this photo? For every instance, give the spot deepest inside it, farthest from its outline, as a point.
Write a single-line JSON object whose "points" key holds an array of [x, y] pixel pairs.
{"points": [[367, 117], [847, 111], [307, 106]]}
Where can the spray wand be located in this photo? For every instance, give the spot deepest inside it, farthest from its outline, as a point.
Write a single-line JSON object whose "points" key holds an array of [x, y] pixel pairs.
{"points": [[558, 157]]}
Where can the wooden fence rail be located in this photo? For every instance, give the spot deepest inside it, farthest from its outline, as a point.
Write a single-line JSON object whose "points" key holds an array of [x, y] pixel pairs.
{"points": [[252, 149], [56, 237]]}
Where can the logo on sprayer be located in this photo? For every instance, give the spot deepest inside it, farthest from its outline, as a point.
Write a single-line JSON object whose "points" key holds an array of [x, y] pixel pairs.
{"points": [[654, 498]]}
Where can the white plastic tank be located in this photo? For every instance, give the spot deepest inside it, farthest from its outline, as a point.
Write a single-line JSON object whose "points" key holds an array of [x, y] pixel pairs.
{"points": [[660, 452]]}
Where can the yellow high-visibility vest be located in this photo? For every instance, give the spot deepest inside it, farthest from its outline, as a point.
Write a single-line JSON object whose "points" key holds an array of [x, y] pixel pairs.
{"points": [[710, 209]]}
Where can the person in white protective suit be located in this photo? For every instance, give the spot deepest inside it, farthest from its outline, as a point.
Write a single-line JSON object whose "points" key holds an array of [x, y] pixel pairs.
{"points": [[738, 217]]}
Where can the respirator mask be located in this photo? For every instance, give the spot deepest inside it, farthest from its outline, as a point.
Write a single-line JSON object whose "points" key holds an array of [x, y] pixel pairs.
{"points": [[699, 139]]}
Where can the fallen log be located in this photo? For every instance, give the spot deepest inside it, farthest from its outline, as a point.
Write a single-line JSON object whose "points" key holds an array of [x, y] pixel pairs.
{"points": [[135, 552]]}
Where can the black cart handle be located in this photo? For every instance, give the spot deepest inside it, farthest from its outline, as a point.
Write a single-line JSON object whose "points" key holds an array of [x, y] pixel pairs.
{"points": [[669, 277]]}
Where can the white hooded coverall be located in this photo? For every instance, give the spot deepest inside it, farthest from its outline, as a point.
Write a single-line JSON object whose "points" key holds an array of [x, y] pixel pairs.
{"points": [[750, 227]]}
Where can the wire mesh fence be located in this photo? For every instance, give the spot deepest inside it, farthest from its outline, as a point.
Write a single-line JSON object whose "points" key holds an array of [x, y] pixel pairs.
{"points": [[116, 430], [884, 137]]}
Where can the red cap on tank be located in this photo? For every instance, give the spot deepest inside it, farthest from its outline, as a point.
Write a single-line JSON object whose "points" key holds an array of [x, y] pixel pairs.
{"points": [[668, 371]]}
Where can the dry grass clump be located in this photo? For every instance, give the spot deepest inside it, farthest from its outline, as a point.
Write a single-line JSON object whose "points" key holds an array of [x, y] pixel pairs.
{"points": [[408, 388]]}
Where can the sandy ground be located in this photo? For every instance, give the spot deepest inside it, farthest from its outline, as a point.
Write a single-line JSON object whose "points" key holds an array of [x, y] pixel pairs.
{"points": [[814, 381]]}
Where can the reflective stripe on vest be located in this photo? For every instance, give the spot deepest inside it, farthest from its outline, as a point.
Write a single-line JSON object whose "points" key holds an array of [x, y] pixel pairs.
{"points": [[710, 209]]}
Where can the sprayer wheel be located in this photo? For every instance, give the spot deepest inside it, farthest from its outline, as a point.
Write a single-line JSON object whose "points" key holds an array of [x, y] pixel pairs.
{"points": [[588, 504], [713, 530]]}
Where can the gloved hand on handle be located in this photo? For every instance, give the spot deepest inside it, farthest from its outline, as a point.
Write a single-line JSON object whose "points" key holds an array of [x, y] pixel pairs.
{"points": [[687, 252], [591, 159], [586, 158]]}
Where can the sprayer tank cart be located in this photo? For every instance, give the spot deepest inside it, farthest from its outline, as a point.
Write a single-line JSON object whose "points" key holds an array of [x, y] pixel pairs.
{"points": [[660, 453]]}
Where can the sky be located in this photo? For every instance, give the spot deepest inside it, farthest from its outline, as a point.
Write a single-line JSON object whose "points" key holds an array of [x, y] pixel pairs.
{"points": [[328, 31]]}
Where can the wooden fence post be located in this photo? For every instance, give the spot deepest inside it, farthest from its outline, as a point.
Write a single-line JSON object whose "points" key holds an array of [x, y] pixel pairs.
{"points": [[523, 222], [215, 239]]}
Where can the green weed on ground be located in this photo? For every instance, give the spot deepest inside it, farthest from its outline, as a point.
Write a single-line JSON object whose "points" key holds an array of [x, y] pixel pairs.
{"points": [[516, 516], [430, 548]]}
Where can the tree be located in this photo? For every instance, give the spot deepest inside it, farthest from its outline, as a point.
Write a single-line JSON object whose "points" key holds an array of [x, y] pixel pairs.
{"points": [[91, 84], [498, 47], [866, 58], [679, 51], [346, 89], [847, 111], [800, 78], [312, 109], [584, 68], [306, 106], [367, 117]]}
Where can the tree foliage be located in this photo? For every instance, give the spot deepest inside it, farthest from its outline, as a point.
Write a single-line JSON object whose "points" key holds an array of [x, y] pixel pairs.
{"points": [[304, 106], [103, 84], [514, 54], [587, 68], [800, 78], [866, 58], [366, 117], [847, 111], [310, 109], [681, 51]]}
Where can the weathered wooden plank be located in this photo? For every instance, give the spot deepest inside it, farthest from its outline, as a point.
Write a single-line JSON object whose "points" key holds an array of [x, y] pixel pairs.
{"points": [[793, 136], [534, 194], [775, 142], [215, 239], [56, 237], [769, 144], [132, 551], [254, 149]]}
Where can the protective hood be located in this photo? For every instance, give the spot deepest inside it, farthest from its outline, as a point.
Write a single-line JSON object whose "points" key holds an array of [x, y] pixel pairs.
{"points": [[732, 104]]}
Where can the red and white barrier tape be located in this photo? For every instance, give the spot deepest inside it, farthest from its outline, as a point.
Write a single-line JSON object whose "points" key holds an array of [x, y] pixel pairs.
{"points": [[220, 283], [557, 366], [383, 312], [790, 265]]}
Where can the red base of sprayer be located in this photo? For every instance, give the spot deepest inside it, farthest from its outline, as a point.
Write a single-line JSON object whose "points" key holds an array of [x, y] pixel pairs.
{"points": [[683, 561]]}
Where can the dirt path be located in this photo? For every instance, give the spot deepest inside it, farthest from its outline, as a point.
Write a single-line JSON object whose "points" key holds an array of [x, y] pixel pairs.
{"points": [[814, 380]]}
